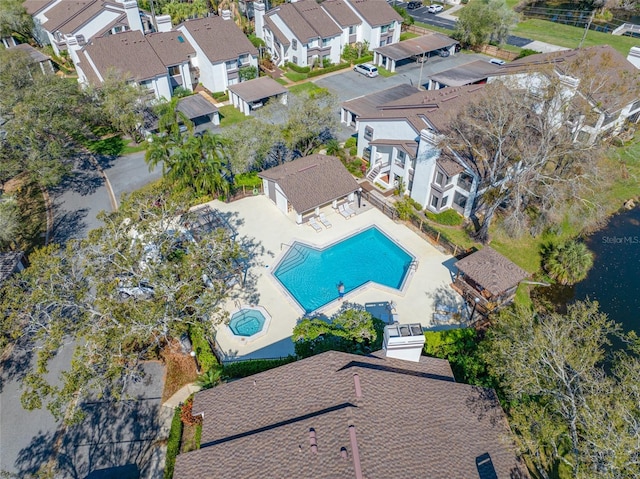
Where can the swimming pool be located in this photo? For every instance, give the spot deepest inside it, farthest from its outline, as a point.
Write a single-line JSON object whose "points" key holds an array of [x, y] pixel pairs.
{"points": [[312, 275], [249, 322]]}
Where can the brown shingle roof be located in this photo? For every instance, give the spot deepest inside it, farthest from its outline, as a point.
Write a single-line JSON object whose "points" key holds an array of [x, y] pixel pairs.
{"points": [[171, 47], [219, 39], [466, 74], [8, 263], [279, 36], [416, 46], [367, 105], [375, 12], [34, 54], [194, 106], [449, 166], [491, 270], [257, 89], [127, 52], [409, 147], [34, 6], [341, 13], [412, 420], [66, 10], [292, 18], [318, 18], [312, 181]]}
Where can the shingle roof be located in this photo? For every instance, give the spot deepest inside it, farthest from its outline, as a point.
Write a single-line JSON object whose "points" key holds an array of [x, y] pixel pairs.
{"points": [[34, 6], [219, 39], [257, 89], [194, 106], [341, 13], [171, 47], [8, 263], [65, 11], [292, 18], [466, 74], [367, 105], [416, 46], [279, 36], [127, 52], [318, 18], [606, 75], [411, 420], [491, 270], [34, 54], [312, 181], [449, 166], [375, 12], [409, 147]]}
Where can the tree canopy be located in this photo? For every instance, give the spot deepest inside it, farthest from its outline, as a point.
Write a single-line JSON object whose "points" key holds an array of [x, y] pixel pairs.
{"points": [[485, 21], [77, 293], [14, 20]]}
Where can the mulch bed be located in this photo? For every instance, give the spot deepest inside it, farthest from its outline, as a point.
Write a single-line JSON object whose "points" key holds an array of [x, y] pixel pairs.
{"points": [[180, 370]]}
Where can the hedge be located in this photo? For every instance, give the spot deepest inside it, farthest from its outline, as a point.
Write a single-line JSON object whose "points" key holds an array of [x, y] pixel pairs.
{"points": [[201, 346], [364, 59], [332, 68], [242, 369], [297, 68], [173, 444]]}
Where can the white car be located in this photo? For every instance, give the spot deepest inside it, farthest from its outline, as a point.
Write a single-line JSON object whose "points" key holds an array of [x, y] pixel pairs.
{"points": [[435, 8], [497, 61], [367, 69]]}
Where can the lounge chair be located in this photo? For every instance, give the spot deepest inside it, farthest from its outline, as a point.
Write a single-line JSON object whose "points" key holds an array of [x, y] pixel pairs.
{"points": [[323, 219], [348, 209], [344, 212], [314, 224]]}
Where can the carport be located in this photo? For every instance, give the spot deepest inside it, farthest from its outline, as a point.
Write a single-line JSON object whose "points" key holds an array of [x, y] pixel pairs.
{"points": [[199, 110], [252, 94], [420, 47]]}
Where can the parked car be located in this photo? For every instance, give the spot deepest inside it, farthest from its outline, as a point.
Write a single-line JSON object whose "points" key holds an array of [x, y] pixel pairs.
{"points": [[413, 5], [367, 69], [497, 61], [435, 8]]}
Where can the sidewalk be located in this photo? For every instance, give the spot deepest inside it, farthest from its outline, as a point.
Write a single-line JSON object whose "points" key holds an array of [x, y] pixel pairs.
{"points": [[447, 13]]}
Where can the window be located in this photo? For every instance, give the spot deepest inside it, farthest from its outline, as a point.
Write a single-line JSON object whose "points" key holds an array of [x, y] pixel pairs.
{"points": [[326, 42], [434, 202], [465, 181], [352, 30], [439, 178], [294, 44], [243, 60], [445, 200], [231, 65], [385, 28], [368, 133], [294, 60], [389, 40], [173, 71], [460, 200], [400, 157]]}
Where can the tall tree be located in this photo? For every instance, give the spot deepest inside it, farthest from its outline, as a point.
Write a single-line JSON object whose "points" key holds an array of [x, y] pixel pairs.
{"points": [[75, 294], [14, 20], [485, 21], [522, 152]]}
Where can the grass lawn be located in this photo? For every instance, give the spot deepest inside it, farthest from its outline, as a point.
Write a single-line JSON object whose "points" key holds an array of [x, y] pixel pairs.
{"points": [[385, 73], [568, 36], [407, 36], [295, 76], [230, 115], [282, 81], [308, 87], [133, 148]]}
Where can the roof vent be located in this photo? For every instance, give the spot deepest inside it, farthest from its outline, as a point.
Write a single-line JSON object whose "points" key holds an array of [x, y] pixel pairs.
{"points": [[403, 341], [356, 381], [343, 453], [312, 440]]}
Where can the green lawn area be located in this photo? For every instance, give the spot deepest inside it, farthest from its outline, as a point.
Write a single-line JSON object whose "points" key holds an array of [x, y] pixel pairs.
{"points": [[230, 115], [407, 36], [384, 72], [308, 87], [568, 36], [295, 76]]}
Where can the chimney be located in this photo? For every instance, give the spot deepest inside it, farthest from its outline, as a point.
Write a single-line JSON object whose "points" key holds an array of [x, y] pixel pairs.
{"points": [[133, 15], [258, 16], [226, 14], [404, 341], [163, 23]]}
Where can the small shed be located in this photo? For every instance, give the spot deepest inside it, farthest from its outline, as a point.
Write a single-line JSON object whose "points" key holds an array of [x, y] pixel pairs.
{"points": [[253, 94], [488, 279], [309, 183], [199, 110], [419, 48], [37, 57]]}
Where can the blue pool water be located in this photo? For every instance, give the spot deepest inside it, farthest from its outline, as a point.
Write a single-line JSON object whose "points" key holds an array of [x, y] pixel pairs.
{"points": [[246, 322], [312, 275]]}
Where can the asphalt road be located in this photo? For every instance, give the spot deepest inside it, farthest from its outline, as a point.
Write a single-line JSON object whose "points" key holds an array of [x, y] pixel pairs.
{"points": [[117, 439], [421, 15]]}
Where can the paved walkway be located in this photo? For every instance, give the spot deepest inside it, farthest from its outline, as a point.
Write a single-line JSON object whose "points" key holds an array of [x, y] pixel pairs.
{"points": [[181, 395]]}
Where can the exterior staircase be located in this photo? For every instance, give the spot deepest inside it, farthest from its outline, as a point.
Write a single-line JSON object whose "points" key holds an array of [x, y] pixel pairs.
{"points": [[373, 173]]}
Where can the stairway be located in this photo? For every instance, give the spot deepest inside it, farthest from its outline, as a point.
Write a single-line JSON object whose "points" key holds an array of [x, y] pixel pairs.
{"points": [[371, 176]]}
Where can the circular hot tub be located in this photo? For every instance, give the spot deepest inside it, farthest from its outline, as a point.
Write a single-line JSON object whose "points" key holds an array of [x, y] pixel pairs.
{"points": [[249, 322]]}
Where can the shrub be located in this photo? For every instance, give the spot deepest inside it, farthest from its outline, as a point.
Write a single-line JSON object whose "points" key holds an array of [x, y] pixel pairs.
{"points": [[242, 369], [405, 209], [567, 263], [297, 68], [201, 346], [173, 444], [351, 141], [333, 68], [250, 180], [415, 204], [447, 218], [525, 52], [186, 414], [364, 59]]}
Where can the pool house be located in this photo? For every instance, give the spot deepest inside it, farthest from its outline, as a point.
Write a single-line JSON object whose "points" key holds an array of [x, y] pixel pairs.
{"points": [[307, 184]]}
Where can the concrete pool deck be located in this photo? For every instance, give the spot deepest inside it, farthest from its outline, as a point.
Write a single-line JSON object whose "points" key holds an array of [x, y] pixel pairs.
{"points": [[266, 233]]}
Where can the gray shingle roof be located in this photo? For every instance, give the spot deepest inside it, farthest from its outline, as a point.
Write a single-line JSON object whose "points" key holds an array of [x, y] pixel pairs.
{"points": [[34, 54], [411, 420], [416, 46], [375, 12], [466, 74], [367, 105], [312, 181], [219, 39], [194, 106], [171, 47], [257, 89], [491, 270], [341, 13]]}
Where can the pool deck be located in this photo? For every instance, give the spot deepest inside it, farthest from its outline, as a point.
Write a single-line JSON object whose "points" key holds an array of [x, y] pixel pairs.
{"points": [[267, 232]]}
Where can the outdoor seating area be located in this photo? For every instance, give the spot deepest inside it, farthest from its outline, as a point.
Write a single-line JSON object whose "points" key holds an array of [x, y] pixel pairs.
{"points": [[345, 210]]}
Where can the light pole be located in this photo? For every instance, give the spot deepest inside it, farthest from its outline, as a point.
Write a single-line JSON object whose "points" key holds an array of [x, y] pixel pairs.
{"points": [[473, 311]]}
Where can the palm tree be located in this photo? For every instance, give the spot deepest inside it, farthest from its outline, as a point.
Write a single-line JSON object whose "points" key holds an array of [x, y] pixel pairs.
{"points": [[567, 263], [210, 378]]}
